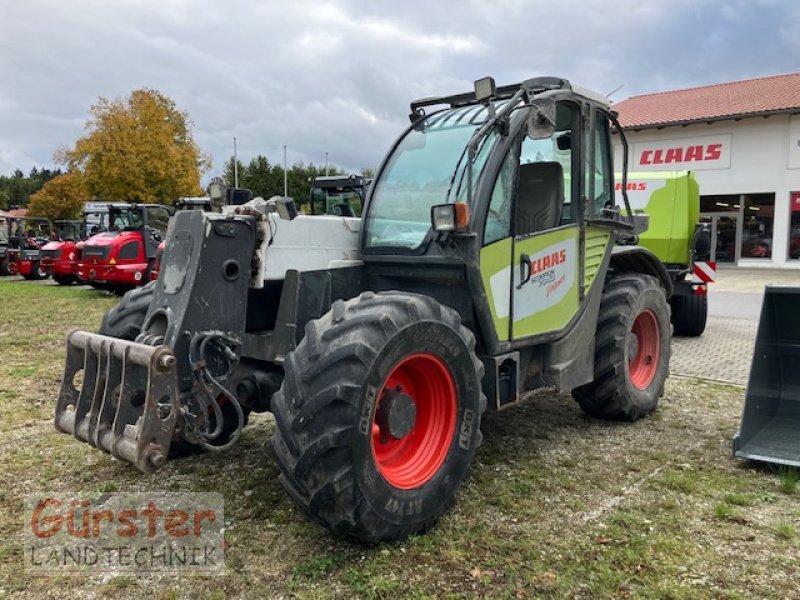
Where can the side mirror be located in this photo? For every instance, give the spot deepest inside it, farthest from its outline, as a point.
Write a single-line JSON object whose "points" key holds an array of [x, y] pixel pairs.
{"points": [[450, 217], [542, 119]]}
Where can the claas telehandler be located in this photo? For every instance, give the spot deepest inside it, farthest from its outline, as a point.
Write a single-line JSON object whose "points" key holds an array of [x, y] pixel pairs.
{"points": [[490, 260]]}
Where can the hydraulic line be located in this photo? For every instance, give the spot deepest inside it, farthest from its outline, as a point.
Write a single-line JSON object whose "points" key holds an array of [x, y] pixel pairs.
{"points": [[209, 400]]}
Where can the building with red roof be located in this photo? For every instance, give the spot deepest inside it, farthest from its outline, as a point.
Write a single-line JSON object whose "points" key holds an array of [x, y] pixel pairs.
{"points": [[742, 139]]}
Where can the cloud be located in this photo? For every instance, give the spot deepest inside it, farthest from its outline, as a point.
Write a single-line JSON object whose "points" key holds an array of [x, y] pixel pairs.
{"points": [[338, 76]]}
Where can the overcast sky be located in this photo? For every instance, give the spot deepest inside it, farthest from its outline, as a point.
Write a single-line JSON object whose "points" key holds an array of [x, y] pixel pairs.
{"points": [[338, 76]]}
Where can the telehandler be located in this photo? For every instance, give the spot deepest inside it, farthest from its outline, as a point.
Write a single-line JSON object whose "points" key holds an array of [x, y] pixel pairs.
{"points": [[490, 260]]}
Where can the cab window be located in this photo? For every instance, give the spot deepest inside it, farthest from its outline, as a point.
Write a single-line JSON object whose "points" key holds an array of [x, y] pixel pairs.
{"points": [[534, 188], [601, 176]]}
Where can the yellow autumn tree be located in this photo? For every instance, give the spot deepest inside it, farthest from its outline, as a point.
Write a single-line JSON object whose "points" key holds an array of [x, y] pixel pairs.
{"points": [[138, 149], [60, 198]]}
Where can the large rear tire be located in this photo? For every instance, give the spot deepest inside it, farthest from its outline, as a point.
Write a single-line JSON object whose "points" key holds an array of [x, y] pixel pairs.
{"points": [[632, 350], [379, 414], [689, 314]]}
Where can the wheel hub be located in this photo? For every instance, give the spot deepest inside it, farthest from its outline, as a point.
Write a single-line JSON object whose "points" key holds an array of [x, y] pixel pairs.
{"points": [[415, 421], [396, 413], [644, 351]]}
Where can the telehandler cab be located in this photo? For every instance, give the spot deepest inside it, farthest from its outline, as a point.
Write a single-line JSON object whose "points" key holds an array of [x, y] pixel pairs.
{"points": [[486, 265]]}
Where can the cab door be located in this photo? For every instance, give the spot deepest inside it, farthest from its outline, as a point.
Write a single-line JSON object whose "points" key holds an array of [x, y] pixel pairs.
{"points": [[545, 291], [529, 259]]}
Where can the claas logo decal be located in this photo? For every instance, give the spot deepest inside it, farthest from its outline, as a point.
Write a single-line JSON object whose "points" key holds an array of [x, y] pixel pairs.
{"points": [[632, 186], [552, 274], [549, 260], [680, 154]]}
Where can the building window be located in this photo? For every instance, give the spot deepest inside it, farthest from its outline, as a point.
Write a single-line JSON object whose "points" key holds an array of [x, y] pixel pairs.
{"points": [[794, 226], [741, 225], [757, 220]]}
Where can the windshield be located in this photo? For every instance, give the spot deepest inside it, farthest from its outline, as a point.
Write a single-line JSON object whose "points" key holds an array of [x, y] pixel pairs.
{"points": [[427, 168], [342, 201], [68, 230], [125, 219]]}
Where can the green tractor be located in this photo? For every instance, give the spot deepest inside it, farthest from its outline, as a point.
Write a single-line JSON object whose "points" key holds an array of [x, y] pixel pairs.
{"points": [[339, 195], [485, 265]]}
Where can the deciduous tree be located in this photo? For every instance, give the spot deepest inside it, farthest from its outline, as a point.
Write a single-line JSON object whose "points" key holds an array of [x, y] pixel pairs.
{"points": [[138, 149], [60, 198]]}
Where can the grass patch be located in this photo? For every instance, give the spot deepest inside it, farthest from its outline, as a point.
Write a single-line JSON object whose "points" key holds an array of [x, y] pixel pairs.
{"points": [[316, 567], [788, 478], [557, 505], [736, 499], [684, 482], [785, 531]]}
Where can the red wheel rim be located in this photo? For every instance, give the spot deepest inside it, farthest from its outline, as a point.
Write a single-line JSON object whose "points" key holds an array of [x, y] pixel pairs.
{"points": [[412, 460], [644, 364]]}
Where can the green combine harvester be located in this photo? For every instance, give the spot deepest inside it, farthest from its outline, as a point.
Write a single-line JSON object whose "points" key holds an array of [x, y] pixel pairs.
{"points": [[672, 201]]}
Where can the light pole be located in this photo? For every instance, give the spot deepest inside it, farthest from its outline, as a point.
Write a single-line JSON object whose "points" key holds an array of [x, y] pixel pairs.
{"points": [[285, 181], [235, 165]]}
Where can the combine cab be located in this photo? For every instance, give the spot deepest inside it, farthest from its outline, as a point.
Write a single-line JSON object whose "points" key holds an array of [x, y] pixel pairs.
{"points": [[484, 266], [122, 257]]}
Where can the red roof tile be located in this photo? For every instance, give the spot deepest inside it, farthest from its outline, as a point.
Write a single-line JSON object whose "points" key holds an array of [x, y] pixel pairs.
{"points": [[712, 102], [17, 212]]}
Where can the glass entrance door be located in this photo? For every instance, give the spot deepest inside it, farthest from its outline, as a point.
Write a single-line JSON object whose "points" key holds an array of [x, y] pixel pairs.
{"points": [[725, 236]]}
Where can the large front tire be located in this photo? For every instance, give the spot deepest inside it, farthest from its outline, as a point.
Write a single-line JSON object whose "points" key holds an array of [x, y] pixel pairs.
{"points": [[125, 320], [379, 414], [632, 350]]}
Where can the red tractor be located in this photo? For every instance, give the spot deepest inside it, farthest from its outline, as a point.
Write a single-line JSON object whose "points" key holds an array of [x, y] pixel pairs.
{"points": [[5, 232], [60, 256], [122, 257], [27, 236]]}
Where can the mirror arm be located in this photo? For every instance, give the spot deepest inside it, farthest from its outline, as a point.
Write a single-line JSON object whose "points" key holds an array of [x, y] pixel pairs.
{"points": [[624, 141], [484, 129]]}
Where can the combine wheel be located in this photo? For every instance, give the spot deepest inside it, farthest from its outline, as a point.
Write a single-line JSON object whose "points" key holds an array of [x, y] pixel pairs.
{"points": [[689, 314], [379, 415], [632, 350], [64, 279]]}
